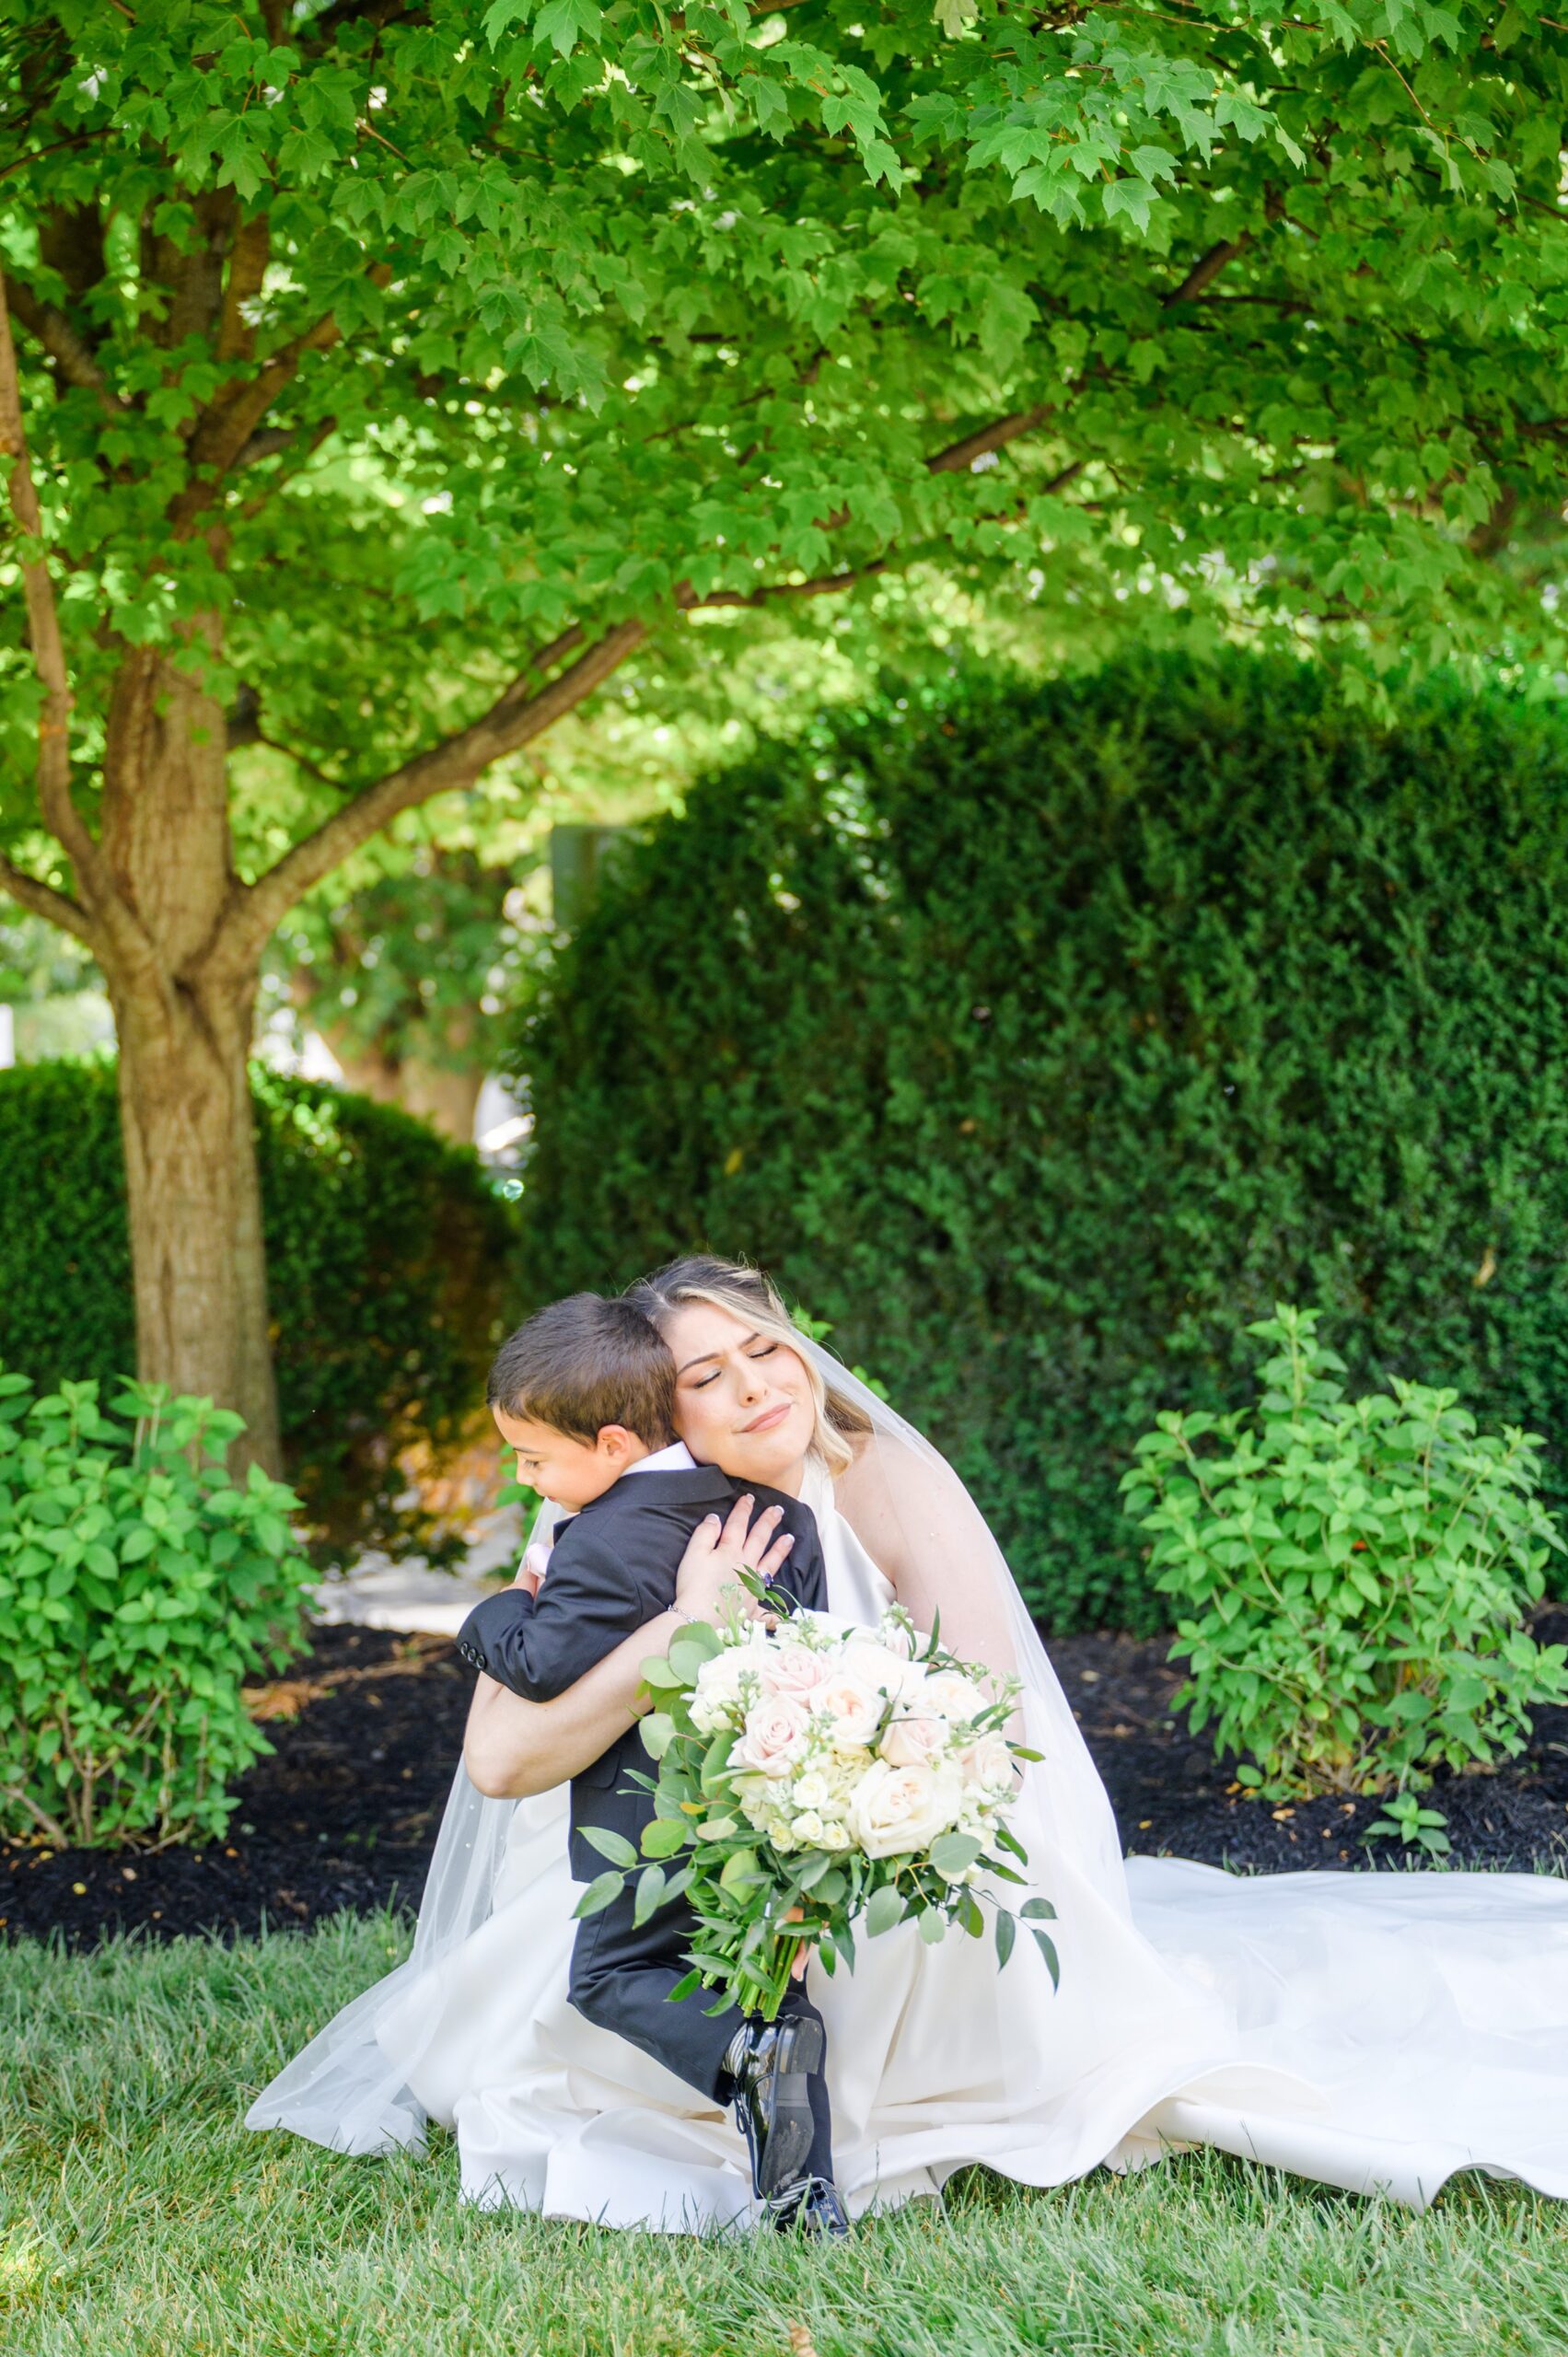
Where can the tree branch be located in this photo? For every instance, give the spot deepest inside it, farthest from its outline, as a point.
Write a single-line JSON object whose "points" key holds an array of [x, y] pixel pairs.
{"points": [[254, 911], [60, 813], [823, 585], [248, 257], [232, 418], [960, 455], [43, 900], [119, 929], [52, 331], [1203, 273]]}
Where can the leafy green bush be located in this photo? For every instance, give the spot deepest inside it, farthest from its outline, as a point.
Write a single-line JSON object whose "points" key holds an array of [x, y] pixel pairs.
{"points": [[1351, 1578], [1041, 1036], [139, 1585], [388, 1260]]}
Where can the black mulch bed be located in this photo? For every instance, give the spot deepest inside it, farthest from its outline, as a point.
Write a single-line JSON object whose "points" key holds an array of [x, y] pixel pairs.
{"points": [[344, 1813]]}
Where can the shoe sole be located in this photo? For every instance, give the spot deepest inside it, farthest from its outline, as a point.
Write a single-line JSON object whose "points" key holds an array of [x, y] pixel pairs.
{"points": [[788, 2109]]}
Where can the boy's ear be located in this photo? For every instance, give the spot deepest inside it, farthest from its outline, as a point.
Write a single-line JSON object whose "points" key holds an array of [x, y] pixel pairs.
{"points": [[615, 1441]]}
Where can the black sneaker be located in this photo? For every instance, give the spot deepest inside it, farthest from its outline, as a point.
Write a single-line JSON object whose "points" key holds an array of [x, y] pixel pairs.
{"points": [[771, 2065], [813, 2207]]}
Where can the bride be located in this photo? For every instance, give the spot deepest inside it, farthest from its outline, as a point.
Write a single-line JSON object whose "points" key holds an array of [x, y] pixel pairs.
{"points": [[1372, 2031]]}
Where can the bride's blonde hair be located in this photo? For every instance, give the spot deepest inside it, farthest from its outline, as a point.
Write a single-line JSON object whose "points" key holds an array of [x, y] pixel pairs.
{"points": [[747, 1294]]}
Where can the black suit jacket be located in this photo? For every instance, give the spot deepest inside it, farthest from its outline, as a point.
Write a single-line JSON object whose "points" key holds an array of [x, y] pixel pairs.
{"points": [[612, 1569]]}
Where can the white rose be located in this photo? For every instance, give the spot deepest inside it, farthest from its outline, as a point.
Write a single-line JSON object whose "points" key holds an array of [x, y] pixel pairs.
{"points": [[893, 1633], [898, 1810], [986, 1765], [812, 1790], [718, 1680], [852, 1709], [777, 1729], [809, 1827], [954, 1696], [834, 1835], [880, 1667], [914, 1736]]}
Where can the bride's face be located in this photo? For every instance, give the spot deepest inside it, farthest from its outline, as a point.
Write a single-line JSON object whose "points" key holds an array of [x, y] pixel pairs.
{"points": [[742, 1402]]}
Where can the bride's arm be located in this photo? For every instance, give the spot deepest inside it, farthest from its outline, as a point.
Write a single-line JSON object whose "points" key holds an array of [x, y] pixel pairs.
{"points": [[920, 1526], [512, 1747]]}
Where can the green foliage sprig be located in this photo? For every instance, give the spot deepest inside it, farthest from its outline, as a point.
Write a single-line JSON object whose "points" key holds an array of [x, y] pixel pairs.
{"points": [[139, 1586], [388, 1260], [1352, 1577], [760, 1890]]}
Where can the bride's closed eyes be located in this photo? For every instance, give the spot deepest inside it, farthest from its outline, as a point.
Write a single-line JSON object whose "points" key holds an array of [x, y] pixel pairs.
{"points": [[703, 1381]]}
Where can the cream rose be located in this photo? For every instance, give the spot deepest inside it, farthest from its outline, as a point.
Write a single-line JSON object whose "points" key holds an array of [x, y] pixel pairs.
{"points": [[915, 1737], [880, 1667], [986, 1765], [776, 1730], [898, 1810], [852, 1710], [954, 1696]]}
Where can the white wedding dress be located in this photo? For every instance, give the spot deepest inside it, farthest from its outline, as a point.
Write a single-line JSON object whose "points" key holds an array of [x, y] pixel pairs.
{"points": [[1372, 2031]]}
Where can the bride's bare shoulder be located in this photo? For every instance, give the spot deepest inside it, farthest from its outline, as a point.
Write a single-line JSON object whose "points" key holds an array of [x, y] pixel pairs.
{"points": [[882, 1468]]}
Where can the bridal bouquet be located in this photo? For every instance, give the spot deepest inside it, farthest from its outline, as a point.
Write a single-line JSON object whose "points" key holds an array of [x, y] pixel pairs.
{"points": [[814, 1774]]}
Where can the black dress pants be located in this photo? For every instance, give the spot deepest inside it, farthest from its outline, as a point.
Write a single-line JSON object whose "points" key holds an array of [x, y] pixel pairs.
{"points": [[620, 1979]]}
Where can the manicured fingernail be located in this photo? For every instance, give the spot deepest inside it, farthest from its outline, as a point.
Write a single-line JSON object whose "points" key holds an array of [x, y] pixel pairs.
{"points": [[787, 1545]]}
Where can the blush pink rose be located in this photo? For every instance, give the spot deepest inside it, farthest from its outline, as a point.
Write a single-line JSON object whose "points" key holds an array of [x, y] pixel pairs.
{"points": [[777, 1729], [914, 1738], [793, 1669]]}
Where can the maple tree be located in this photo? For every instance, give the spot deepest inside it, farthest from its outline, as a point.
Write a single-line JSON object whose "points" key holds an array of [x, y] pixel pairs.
{"points": [[385, 376]]}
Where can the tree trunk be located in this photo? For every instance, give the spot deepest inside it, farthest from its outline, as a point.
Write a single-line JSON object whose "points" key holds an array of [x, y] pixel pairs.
{"points": [[193, 1187], [447, 1100], [447, 1096], [363, 1069]]}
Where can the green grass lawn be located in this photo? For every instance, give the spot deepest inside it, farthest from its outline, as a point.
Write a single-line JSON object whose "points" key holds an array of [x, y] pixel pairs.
{"points": [[136, 2214]]}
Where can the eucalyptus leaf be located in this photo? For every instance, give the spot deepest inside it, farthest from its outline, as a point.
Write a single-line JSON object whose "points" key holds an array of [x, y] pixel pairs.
{"points": [[603, 1892], [883, 1909], [611, 1845]]}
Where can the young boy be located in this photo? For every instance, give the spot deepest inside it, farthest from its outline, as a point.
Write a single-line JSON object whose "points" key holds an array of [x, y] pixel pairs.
{"points": [[584, 1393]]}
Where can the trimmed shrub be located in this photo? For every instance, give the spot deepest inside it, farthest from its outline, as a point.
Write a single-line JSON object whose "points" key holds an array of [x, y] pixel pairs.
{"points": [[388, 1255], [1044, 1037], [139, 1585], [1352, 1578]]}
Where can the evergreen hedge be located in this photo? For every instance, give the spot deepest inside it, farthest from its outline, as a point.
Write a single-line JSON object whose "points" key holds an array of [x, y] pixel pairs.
{"points": [[388, 1262], [1042, 1037]]}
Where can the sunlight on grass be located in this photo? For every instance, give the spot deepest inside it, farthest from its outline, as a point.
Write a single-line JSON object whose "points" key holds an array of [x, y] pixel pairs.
{"points": [[137, 2215]]}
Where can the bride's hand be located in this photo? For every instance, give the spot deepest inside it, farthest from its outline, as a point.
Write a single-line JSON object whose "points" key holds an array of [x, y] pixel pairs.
{"points": [[717, 1551], [533, 1567]]}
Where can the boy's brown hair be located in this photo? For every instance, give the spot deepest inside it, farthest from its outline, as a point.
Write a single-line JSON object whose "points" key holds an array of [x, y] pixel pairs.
{"points": [[584, 1362]]}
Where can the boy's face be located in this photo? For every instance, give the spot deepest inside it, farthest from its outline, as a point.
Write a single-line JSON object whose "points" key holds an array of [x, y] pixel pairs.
{"points": [[568, 1472]]}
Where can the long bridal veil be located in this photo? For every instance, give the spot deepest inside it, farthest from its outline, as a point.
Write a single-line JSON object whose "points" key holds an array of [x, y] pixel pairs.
{"points": [[1372, 2031]]}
